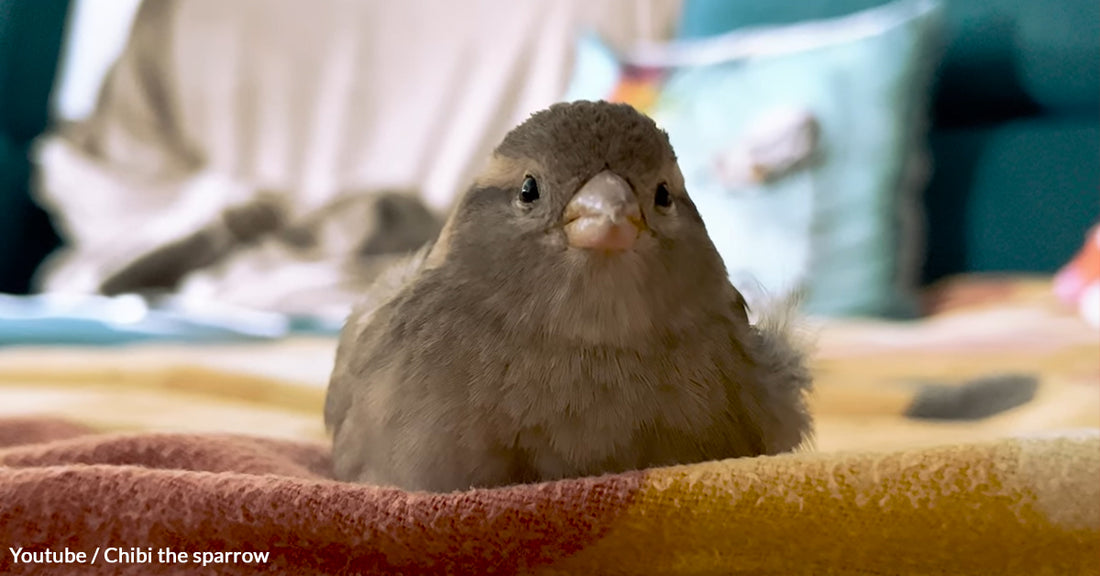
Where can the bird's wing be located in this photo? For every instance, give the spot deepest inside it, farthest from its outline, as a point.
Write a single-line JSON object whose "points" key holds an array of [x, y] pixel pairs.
{"points": [[386, 286]]}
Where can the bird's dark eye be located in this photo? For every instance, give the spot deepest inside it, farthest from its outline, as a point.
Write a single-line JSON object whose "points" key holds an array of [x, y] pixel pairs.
{"points": [[529, 192], [663, 198]]}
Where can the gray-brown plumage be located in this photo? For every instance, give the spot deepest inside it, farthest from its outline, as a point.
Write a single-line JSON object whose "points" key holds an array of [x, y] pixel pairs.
{"points": [[573, 318]]}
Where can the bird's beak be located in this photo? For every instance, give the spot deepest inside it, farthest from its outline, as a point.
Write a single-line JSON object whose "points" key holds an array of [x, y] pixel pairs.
{"points": [[603, 215]]}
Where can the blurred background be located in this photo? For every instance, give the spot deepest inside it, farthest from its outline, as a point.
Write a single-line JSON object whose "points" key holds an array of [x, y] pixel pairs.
{"points": [[194, 192]]}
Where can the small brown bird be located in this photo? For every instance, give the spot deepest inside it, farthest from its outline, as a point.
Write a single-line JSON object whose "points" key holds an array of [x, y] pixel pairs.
{"points": [[573, 318]]}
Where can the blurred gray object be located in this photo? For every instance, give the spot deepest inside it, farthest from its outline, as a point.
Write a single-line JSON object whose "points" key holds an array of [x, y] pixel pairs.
{"points": [[974, 399], [316, 265], [352, 229], [166, 266]]}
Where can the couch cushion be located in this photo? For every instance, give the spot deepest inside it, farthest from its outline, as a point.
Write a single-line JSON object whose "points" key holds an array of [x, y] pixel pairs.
{"points": [[1007, 59], [1014, 197], [1059, 53], [1004, 58]]}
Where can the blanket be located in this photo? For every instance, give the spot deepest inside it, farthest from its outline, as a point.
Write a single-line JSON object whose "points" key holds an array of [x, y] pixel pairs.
{"points": [[173, 503]]}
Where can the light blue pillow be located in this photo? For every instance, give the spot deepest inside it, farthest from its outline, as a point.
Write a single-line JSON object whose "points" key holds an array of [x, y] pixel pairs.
{"points": [[824, 198]]}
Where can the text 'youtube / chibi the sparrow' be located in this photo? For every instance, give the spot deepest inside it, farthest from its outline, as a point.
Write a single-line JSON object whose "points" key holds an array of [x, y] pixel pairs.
{"points": [[573, 318]]}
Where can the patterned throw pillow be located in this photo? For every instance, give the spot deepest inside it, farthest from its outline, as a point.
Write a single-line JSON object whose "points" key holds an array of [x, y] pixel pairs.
{"points": [[802, 144]]}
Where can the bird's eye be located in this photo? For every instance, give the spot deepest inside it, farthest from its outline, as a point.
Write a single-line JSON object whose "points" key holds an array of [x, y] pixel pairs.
{"points": [[663, 198], [529, 192]]}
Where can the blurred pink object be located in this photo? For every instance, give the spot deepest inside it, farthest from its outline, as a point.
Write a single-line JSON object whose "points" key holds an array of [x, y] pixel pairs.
{"points": [[1078, 283]]}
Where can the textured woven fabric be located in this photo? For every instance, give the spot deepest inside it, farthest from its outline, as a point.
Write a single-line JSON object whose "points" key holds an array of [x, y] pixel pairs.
{"points": [[1023, 506]]}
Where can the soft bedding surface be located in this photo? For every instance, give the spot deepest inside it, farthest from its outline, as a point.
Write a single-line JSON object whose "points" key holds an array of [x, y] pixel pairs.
{"points": [[244, 505], [214, 451]]}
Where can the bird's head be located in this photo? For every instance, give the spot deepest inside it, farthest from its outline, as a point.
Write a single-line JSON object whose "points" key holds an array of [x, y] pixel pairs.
{"points": [[581, 221]]}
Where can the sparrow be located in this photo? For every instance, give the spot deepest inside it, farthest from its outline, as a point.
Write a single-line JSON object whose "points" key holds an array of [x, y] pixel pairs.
{"points": [[572, 318]]}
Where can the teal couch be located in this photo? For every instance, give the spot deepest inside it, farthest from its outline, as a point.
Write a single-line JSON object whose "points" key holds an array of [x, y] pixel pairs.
{"points": [[1016, 125], [31, 32]]}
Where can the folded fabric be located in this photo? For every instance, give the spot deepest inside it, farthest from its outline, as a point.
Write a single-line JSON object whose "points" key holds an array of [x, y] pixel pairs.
{"points": [[181, 503]]}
